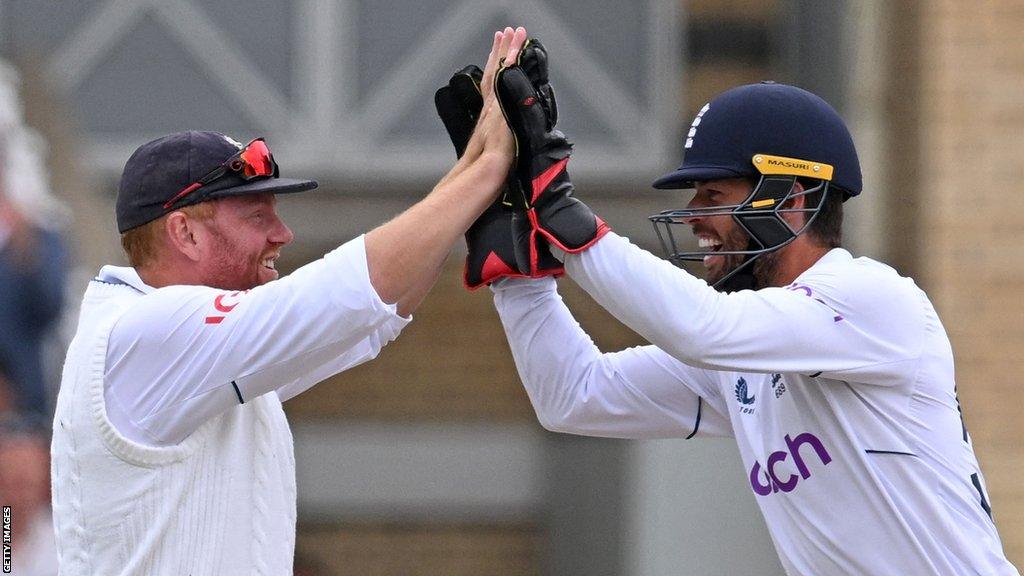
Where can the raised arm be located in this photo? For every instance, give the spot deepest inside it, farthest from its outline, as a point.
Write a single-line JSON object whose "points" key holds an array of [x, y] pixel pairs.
{"points": [[405, 255], [842, 321], [640, 392], [225, 348]]}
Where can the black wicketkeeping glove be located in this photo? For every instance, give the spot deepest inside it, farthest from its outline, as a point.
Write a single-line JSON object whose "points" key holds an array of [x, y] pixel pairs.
{"points": [[542, 200], [489, 240], [459, 104]]}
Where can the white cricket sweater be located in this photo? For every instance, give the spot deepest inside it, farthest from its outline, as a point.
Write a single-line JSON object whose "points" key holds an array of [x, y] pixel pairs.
{"points": [[197, 491], [220, 500], [838, 390]]}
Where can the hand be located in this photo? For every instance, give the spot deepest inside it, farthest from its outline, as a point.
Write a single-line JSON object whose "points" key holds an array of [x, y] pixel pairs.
{"points": [[492, 134], [404, 256], [542, 200], [506, 47], [491, 253]]}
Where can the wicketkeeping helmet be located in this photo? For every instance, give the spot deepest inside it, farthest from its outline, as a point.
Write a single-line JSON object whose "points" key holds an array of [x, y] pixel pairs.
{"points": [[773, 133]]}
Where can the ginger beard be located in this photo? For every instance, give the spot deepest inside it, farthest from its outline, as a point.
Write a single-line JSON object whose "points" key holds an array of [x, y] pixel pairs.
{"points": [[241, 268], [246, 237], [237, 266]]}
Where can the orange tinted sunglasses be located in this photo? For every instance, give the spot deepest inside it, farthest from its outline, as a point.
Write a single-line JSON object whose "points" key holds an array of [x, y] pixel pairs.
{"points": [[252, 161]]}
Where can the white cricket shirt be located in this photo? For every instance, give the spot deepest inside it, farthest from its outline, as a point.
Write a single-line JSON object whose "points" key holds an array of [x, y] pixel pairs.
{"points": [[171, 451], [185, 353], [838, 389]]}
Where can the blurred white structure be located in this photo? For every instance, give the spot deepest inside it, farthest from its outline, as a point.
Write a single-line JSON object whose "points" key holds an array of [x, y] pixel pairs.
{"points": [[23, 171]]}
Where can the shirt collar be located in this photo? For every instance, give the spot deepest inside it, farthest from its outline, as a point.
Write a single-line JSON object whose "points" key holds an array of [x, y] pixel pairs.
{"points": [[123, 275], [832, 257]]}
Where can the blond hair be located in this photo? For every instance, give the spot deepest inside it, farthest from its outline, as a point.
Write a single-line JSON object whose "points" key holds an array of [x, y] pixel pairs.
{"points": [[142, 242]]}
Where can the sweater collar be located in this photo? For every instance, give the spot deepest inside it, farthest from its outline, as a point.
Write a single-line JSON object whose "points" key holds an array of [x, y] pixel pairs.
{"points": [[123, 275], [834, 256]]}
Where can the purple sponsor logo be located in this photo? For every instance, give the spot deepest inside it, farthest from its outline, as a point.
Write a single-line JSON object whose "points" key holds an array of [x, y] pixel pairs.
{"points": [[795, 287], [765, 480]]}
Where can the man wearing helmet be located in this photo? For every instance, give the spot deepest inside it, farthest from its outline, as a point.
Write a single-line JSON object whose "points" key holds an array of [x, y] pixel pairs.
{"points": [[833, 373], [761, 146]]}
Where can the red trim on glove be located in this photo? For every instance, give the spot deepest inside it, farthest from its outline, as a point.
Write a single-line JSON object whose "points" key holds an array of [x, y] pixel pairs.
{"points": [[493, 269], [602, 229], [541, 182]]}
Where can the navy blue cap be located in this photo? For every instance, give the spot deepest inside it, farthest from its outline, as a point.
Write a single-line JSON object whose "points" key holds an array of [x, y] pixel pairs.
{"points": [[157, 171], [765, 118]]}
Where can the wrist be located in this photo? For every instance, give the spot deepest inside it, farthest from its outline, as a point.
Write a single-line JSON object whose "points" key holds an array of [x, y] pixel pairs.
{"points": [[498, 161], [486, 172]]}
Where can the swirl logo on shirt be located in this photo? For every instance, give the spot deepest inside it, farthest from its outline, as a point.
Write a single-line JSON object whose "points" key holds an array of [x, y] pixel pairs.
{"points": [[768, 479]]}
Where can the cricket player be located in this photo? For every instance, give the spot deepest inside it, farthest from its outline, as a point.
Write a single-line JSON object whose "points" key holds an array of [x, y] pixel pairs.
{"points": [[833, 373], [171, 453]]}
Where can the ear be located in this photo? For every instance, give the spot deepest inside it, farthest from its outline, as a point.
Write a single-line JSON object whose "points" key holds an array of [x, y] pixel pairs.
{"points": [[184, 235], [796, 219]]}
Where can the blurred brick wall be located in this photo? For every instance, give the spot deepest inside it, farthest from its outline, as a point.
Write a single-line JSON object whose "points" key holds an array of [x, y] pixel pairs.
{"points": [[972, 225], [408, 549]]}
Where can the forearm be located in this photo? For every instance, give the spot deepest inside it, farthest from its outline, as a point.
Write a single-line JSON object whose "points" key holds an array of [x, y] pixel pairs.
{"points": [[574, 388], [665, 305], [473, 151], [768, 330], [553, 355], [333, 362], [405, 255]]}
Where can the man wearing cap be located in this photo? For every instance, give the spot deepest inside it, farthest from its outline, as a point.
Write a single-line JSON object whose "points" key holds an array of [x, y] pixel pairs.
{"points": [[171, 452], [832, 373]]}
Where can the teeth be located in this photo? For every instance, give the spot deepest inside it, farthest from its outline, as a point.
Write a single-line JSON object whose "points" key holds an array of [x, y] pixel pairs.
{"points": [[269, 263], [708, 242]]}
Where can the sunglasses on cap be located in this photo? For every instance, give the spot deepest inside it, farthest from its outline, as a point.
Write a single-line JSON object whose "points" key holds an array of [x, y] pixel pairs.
{"points": [[252, 161]]}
